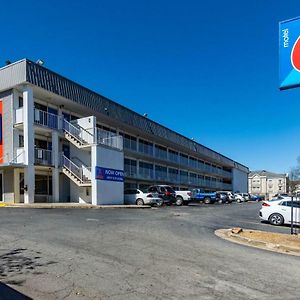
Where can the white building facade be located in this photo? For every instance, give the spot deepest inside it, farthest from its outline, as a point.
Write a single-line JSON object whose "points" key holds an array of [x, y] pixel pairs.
{"points": [[61, 142], [267, 184]]}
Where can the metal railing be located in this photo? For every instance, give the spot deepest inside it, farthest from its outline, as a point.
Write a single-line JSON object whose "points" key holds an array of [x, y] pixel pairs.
{"points": [[45, 118], [83, 136], [109, 139], [83, 174], [43, 156], [19, 157]]}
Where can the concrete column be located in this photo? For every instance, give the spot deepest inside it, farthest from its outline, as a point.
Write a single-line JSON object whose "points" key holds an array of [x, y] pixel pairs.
{"points": [[17, 185], [55, 162], [60, 118], [29, 172], [94, 160], [138, 168]]}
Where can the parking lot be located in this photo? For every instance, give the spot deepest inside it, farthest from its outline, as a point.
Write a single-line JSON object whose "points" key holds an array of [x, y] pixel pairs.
{"points": [[158, 253]]}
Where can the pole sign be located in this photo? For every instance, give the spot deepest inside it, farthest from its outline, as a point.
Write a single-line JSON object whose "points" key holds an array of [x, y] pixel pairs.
{"points": [[109, 174], [289, 54]]}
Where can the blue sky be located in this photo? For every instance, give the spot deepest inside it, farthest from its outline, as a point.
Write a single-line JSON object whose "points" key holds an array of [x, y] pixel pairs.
{"points": [[207, 69]]}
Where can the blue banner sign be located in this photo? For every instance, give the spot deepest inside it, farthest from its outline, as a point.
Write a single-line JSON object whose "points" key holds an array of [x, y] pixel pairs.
{"points": [[289, 54], [109, 174]]}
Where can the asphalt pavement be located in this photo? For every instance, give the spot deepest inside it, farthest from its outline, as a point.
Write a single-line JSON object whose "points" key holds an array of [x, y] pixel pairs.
{"points": [[164, 253]]}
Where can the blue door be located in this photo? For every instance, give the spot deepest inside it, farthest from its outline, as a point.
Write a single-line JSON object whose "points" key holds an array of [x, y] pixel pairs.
{"points": [[66, 150]]}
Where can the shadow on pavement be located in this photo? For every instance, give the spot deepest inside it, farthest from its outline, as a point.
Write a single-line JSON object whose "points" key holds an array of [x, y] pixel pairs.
{"points": [[8, 293]]}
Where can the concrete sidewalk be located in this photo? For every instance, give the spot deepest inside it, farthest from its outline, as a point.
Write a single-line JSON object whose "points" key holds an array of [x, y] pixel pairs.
{"points": [[67, 205]]}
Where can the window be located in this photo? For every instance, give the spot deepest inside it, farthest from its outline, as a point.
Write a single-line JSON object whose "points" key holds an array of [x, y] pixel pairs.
{"points": [[131, 192], [184, 178], [184, 159], [173, 174], [107, 129], [193, 178], [129, 142], [173, 156], [21, 141], [43, 185], [161, 152], [40, 106], [145, 147], [200, 165], [145, 170], [193, 162], [20, 102], [161, 172], [130, 167], [289, 203], [153, 189]]}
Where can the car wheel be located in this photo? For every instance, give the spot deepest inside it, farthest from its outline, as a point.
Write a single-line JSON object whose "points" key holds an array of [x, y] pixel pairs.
{"points": [[207, 200], [276, 219], [238, 201], [179, 201], [139, 202], [159, 203]]}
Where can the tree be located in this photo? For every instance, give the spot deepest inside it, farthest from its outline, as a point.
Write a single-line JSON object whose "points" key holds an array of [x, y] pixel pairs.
{"points": [[294, 177]]}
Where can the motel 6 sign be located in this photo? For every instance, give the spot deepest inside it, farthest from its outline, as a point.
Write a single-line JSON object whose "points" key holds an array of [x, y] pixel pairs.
{"points": [[289, 54]]}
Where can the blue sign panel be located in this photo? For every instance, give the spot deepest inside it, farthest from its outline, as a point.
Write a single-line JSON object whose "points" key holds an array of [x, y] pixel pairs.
{"points": [[109, 174], [289, 54]]}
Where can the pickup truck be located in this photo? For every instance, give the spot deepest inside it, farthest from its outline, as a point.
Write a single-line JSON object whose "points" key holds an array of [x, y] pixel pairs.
{"points": [[183, 197], [199, 195]]}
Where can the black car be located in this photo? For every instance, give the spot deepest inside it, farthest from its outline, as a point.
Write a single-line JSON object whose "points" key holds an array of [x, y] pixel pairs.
{"points": [[165, 192]]}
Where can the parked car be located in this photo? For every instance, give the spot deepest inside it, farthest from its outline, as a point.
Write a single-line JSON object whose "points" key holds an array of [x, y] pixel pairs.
{"points": [[239, 198], [281, 195], [256, 198], [225, 196], [246, 196], [221, 197], [200, 195], [278, 212], [139, 197], [165, 192], [183, 197]]}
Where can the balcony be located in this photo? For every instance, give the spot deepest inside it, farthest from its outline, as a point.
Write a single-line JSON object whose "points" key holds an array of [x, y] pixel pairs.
{"points": [[42, 157], [109, 139], [41, 118], [45, 119]]}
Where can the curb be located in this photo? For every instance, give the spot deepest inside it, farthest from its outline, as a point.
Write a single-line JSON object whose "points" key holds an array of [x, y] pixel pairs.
{"points": [[235, 238], [38, 206]]}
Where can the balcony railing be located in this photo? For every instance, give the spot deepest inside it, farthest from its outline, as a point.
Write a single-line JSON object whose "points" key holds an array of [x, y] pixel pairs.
{"points": [[42, 157], [40, 117], [45, 118], [109, 139]]}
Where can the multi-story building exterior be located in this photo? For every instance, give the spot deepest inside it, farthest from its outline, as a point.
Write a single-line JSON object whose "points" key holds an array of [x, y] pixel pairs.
{"points": [[267, 183], [59, 138]]}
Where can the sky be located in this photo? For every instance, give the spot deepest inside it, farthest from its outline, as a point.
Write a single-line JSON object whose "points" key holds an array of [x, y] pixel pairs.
{"points": [[206, 69]]}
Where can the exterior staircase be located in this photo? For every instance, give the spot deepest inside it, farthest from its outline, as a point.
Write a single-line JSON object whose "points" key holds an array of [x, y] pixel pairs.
{"points": [[77, 135], [79, 175]]}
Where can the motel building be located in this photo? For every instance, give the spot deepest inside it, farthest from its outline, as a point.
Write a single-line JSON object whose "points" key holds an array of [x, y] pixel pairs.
{"points": [[61, 142]]}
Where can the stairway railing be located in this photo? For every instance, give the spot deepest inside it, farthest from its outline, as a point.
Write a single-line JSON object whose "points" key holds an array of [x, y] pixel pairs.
{"points": [[83, 174], [82, 136]]}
